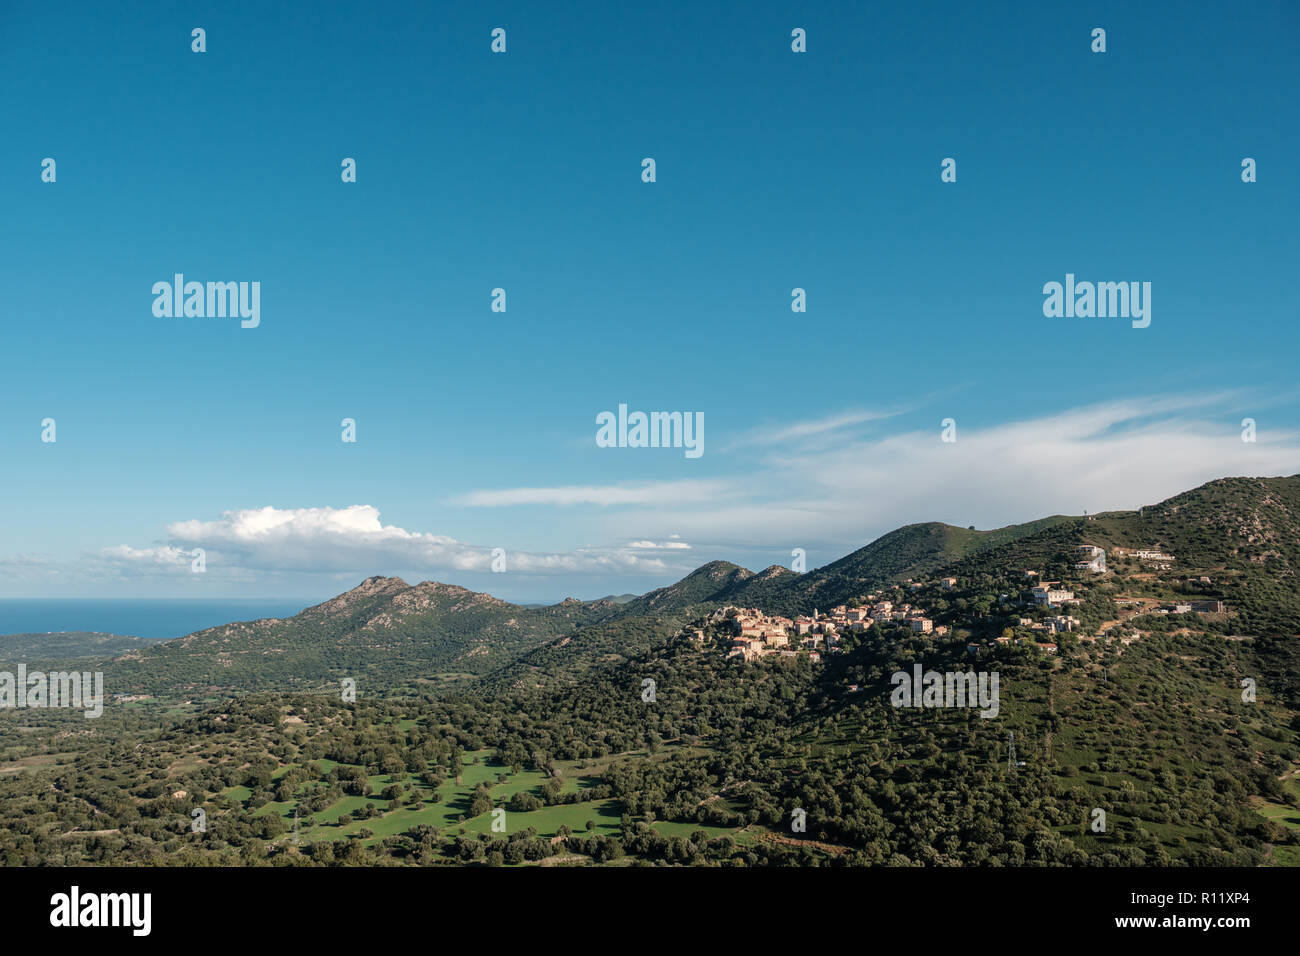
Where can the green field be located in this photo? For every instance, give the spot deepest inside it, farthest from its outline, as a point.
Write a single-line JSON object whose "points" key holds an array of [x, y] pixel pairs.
{"points": [[605, 814], [450, 812]]}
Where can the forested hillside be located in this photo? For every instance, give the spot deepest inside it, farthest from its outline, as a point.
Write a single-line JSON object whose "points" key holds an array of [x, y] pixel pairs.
{"points": [[1160, 693]]}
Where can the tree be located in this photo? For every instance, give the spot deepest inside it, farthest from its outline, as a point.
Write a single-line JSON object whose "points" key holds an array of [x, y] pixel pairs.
{"points": [[524, 802]]}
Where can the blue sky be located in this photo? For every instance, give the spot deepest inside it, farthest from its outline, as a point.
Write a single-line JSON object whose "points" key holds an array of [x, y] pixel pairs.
{"points": [[522, 170]]}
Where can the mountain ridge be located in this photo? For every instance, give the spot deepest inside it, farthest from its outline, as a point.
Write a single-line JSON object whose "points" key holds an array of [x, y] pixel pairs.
{"points": [[385, 625]]}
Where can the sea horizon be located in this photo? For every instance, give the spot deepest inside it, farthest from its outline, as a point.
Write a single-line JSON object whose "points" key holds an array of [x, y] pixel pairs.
{"points": [[148, 618]]}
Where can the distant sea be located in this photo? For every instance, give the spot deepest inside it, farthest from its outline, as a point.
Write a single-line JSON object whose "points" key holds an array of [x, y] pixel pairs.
{"points": [[151, 618]]}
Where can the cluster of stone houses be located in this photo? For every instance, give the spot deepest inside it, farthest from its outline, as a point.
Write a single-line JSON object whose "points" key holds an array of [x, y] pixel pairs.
{"points": [[757, 634], [887, 611]]}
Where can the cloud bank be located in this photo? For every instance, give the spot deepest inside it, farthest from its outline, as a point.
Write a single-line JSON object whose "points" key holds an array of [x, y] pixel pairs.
{"points": [[821, 485]]}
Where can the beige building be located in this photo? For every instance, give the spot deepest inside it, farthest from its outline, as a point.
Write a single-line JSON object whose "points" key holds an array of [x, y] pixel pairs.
{"points": [[1047, 596]]}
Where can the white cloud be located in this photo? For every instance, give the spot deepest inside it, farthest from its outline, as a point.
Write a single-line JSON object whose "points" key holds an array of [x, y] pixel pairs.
{"points": [[1113, 455], [23, 561], [146, 558], [649, 493], [351, 539], [787, 434], [852, 489]]}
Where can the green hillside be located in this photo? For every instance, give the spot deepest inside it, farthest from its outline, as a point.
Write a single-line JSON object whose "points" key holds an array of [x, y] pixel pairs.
{"points": [[911, 551], [385, 634], [610, 733]]}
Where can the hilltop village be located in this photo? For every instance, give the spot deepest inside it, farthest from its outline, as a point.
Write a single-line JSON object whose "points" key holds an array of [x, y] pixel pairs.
{"points": [[756, 633], [1034, 614]]}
